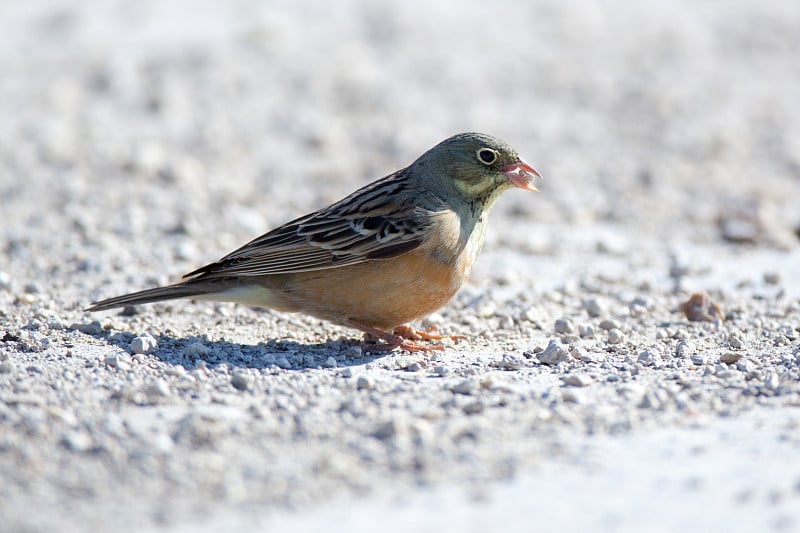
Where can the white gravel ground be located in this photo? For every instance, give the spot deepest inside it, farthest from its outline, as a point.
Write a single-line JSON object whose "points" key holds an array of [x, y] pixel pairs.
{"points": [[142, 139]]}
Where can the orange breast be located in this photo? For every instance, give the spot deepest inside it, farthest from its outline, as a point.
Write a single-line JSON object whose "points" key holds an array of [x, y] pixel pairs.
{"points": [[382, 294]]}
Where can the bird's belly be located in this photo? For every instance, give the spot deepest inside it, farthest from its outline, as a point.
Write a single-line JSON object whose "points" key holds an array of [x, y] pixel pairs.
{"points": [[381, 294]]}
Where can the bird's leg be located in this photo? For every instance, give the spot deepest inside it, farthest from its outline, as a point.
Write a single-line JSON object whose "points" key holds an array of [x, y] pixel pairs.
{"points": [[408, 332], [393, 341]]}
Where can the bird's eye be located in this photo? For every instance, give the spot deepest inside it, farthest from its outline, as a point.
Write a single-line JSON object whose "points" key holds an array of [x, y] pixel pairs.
{"points": [[487, 156]]}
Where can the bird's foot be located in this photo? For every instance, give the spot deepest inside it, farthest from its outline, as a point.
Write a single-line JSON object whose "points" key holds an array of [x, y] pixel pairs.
{"points": [[408, 332], [395, 340]]}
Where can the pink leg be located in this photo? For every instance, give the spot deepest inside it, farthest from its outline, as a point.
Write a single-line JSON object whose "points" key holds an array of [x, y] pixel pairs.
{"points": [[393, 341], [407, 332]]}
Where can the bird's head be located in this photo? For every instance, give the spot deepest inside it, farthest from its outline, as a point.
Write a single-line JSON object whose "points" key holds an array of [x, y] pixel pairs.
{"points": [[477, 166]]}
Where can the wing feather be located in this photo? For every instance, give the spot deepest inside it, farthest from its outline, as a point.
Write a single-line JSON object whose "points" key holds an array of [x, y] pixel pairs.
{"points": [[379, 221]]}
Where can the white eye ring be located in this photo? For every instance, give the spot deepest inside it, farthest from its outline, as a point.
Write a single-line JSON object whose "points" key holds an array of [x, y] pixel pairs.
{"points": [[487, 156]]}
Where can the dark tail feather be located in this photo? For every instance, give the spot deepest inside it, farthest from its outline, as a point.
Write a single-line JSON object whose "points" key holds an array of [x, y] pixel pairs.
{"points": [[180, 290]]}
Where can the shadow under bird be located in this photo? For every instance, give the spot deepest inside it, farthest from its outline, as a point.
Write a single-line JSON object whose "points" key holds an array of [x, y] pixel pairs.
{"points": [[389, 253]]}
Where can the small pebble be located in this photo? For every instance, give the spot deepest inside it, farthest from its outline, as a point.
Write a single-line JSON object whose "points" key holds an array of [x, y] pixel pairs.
{"points": [[441, 370], [563, 325], [282, 362], [76, 441], [719, 367], [683, 349], [117, 361], [353, 352], [554, 353], [772, 382], [34, 324], [473, 408], [787, 331], [594, 306], [586, 331], [487, 309], [330, 362], [649, 358], [730, 357], [468, 386], [27, 298], [7, 367], [609, 323], [532, 314], [364, 383], [650, 401], [586, 356], [572, 396], [506, 322], [615, 336], [158, 388], [175, 371], [200, 371], [745, 365], [268, 358], [772, 278], [347, 372], [637, 310], [680, 333], [414, 367], [740, 226], [90, 328], [242, 381], [143, 344], [196, 349], [32, 288], [578, 380], [56, 323], [187, 380], [387, 430], [735, 342], [512, 362]]}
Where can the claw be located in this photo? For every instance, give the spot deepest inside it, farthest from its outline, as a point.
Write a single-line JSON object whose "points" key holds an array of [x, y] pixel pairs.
{"points": [[407, 332], [404, 337]]}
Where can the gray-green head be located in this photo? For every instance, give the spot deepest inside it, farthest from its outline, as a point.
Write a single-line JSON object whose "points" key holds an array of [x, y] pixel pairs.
{"points": [[478, 166]]}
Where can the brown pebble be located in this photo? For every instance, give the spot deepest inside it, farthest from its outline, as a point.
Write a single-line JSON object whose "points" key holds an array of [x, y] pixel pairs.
{"points": [[700, 307], [730, 357]]}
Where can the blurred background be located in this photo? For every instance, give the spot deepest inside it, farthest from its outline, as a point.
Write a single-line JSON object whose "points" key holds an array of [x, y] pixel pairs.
{"points": [[142, 139], [202, 124]]}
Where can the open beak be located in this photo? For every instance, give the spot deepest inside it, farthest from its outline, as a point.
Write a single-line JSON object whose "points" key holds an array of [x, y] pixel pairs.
{"points": [[522, 175]]}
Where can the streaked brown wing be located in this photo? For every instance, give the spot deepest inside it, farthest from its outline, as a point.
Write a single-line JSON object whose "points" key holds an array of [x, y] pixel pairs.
{"points": [[369, 224]]}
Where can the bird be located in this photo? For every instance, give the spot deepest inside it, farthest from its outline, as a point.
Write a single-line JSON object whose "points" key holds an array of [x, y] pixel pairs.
{"points": [[391, 252]]}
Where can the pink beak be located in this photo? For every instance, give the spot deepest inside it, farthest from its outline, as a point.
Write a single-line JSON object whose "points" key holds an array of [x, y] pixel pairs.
{"points": [[522, 175]]}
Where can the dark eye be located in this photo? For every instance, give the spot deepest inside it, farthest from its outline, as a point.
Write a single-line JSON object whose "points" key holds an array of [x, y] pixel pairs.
{"points": [[487, 156]]}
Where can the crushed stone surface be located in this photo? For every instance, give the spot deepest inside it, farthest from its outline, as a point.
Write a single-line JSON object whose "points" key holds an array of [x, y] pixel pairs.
{"points": [[142, 140]]}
